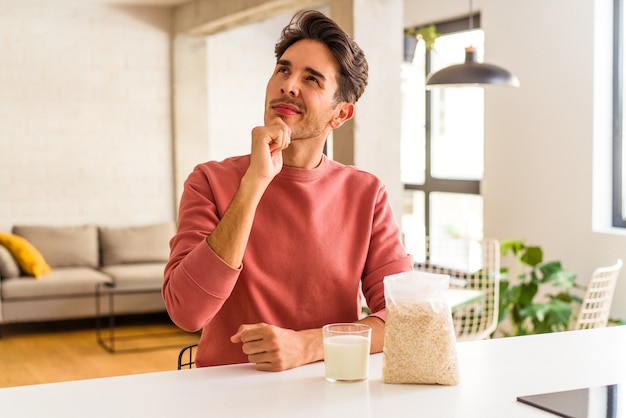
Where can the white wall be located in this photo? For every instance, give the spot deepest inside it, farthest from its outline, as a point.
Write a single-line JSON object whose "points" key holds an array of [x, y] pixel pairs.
{"points": [[540, 139], [241, 61], [85, 131], [377, 120]]}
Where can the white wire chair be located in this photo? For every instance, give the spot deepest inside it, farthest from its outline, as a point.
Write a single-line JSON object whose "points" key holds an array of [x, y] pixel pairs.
{"points": [[472, 264], [596, 305]]}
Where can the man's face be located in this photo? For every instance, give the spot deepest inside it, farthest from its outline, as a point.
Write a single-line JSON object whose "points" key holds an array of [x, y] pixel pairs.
{"points": [[302, 88]]}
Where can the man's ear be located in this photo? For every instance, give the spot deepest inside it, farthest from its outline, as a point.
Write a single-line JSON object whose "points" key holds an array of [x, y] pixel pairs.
{"points": [[345, 111]]}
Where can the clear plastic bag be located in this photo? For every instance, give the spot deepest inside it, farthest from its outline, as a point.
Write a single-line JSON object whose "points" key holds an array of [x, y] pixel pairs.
{"points": [[420, 343]]}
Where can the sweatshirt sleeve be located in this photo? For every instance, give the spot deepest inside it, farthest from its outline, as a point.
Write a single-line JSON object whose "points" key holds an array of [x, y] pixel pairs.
{"points": [[196, 280], [386, 254]]}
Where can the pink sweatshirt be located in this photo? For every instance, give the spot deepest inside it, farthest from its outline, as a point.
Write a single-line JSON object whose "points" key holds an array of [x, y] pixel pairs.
{"points": [[317, 235]]}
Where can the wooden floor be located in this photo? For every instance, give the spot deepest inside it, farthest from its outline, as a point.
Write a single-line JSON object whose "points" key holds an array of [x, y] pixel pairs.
{"points": [[68, 350]]}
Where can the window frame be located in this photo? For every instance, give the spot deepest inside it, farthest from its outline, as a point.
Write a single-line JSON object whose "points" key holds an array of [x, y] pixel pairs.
{"points": [[618, 215], [432, 184]]}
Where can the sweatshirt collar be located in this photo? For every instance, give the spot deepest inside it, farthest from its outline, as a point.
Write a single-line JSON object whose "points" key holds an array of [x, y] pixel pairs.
{"points": [[303, 174]]}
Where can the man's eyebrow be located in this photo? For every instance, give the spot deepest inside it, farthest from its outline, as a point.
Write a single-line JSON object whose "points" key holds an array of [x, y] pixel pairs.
{"points": [[316, 73], [313, 71]]}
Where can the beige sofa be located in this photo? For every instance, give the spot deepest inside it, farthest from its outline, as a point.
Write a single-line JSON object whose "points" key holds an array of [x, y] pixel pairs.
{"points": [[81, 257]]}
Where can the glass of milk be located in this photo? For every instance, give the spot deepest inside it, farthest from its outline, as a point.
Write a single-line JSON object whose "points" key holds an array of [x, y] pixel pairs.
{"points": [[346, 351]]}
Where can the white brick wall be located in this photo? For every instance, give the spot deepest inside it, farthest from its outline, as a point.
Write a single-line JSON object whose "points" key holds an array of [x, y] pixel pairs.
{"points": [[85, 114]]}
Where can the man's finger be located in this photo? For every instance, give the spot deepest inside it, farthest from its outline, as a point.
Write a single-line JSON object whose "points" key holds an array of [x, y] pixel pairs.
{"points": [[247, 333], [280, 133]]}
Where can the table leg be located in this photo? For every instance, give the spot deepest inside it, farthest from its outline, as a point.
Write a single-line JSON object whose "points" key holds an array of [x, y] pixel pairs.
{"points": [[111, 324], [98, 316]]}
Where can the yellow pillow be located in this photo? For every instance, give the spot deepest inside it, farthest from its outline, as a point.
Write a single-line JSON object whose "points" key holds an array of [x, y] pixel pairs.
{"points": [[28, 257]]}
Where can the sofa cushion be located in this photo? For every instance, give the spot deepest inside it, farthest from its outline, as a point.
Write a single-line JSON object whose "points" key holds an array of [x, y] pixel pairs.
{"points": [[27, 256], [60, 282], [63, 246], [135, 244], [8, 264], [136, 274]]}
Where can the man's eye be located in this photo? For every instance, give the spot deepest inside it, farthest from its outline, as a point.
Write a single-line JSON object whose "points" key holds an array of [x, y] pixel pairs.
{"points": [[283, 70], [313, 79]]}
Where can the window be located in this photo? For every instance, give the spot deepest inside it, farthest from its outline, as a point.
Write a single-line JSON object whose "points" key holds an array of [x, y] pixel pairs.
{"points": [[441, 143], [619, 171]]}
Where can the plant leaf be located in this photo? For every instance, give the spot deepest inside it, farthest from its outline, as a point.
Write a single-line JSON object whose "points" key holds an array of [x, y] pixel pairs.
{"points": [[559, 315], [514, 246], [536, 311], [525, 293], [550, 268], [511, 245], [563, 278], [577, 299], [532, 256]]}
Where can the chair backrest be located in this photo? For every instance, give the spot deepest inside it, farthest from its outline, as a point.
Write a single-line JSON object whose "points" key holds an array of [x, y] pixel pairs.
{"points": [[186, 358], [473, 264], [596, 305]]}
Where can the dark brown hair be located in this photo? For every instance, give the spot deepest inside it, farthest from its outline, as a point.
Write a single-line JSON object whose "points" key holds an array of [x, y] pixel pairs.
{"points": [[311, 24]]}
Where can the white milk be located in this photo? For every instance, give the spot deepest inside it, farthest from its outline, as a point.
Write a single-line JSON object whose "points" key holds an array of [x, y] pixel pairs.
{"points": [[346, 357]]}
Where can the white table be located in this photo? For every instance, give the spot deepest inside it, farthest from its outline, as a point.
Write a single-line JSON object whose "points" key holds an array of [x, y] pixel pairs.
{"points": [[493, 374], [457, 298], [460, 298]]}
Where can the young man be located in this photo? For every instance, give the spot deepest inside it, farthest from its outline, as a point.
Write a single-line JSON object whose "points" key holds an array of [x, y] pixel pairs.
{"points": [[275, 244]]}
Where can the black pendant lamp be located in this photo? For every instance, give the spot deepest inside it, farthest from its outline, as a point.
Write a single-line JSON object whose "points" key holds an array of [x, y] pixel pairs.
{"points": [[471, 73]]}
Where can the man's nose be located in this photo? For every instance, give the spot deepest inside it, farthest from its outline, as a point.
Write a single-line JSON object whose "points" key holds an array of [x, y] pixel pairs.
{"points": [[291, 87]]}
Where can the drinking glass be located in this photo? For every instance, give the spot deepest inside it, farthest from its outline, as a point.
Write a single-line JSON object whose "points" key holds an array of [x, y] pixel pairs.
{"points": [[346, 351]]}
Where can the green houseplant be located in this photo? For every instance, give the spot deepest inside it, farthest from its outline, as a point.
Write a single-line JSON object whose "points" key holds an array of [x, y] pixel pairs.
{"points": [[428, 34], [524, 303]]}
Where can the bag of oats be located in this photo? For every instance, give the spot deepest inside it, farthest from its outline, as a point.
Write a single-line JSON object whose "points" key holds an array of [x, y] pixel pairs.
{"points": [[420, 343]]}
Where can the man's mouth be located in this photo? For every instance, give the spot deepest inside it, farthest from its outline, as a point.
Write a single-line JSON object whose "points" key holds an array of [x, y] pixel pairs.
{"points": [[284, 108]]}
